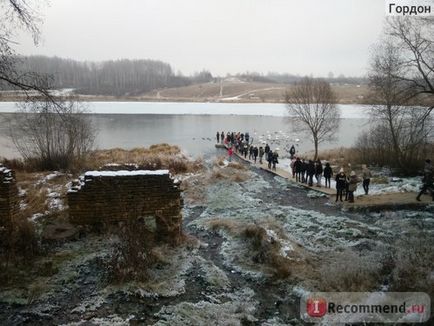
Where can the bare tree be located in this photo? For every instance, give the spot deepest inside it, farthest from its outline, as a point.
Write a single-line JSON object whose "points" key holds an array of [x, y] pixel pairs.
{"points": [[312, 102], [414, 37], [16, 15], [400, 75], [52, 135]]}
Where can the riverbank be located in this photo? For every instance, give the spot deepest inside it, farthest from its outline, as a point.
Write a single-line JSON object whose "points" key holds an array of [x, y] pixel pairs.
{"points": [[254, 243]]}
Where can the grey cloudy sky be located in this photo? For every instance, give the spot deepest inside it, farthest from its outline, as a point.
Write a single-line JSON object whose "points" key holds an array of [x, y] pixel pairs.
{"points": [[224, 36]]}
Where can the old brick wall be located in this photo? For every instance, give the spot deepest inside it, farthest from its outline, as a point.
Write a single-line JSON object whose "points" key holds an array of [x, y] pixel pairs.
{"points": [[9, 201], [113, 196]]}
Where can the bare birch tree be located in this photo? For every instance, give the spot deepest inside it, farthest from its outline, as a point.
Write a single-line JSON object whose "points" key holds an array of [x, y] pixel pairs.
{"points": [[312, 103]]}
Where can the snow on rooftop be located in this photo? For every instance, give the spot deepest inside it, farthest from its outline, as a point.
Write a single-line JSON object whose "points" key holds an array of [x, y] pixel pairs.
{"points": [[125, 173]]}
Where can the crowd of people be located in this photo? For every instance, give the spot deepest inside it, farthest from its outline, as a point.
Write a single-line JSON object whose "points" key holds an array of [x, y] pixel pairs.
{"points": [[304, 171], [242, 143]]}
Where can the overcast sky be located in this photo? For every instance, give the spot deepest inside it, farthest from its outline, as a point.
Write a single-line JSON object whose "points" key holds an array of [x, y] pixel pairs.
{"points": [[223, 36]]}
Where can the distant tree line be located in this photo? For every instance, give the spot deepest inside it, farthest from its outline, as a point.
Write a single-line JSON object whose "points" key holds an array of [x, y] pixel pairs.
{"points": [[119, 77], [285, 78]]}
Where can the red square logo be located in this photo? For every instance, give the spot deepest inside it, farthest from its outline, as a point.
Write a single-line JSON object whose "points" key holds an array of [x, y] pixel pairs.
{"points": [[316, 307]]}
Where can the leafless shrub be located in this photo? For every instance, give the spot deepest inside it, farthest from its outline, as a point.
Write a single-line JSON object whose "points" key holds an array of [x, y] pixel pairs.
{"points": [[54, 135], [135, 252]]}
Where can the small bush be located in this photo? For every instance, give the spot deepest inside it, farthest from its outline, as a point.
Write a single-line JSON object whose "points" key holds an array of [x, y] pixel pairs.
{"points": [[135, 252], [18, 245]]}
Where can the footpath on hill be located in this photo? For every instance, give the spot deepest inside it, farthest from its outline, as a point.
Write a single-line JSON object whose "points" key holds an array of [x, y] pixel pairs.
{"points": [[371, 202]]}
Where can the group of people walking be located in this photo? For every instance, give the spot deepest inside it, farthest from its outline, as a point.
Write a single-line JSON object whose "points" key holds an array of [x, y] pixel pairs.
{"points": [[304, 171], [242, 143]]}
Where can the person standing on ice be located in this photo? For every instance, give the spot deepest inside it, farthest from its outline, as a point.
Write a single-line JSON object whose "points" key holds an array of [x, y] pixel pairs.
{"points": [[428, 180], [292, 151], [230, 153], [247, 137], [341, 181], [328, 174], [218, 137], [366, 175], [222, 136]]}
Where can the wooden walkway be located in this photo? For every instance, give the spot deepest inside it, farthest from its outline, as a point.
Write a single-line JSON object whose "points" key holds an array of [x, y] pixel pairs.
{"points": [[281, 173], [405, 200]]}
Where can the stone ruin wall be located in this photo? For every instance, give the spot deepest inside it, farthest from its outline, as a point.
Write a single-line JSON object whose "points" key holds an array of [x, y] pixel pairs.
{"points": [[9, 202], [113, 196]]}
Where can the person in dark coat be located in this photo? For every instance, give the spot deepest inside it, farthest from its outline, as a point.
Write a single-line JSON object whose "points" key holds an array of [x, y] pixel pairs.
{"points": [[218, 137], [292, 151], [275, 158], [250, 152], [222, 136], [303, 171], [328, 174], [270, 158], [255, 153], [318, 172], [297, 168], [246, 150], [427, 181], [341, 183], [310, 172], [247, 137], [267, 150]]}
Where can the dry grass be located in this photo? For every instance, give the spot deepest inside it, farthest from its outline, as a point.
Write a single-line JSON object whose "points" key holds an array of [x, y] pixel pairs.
{"points": [[237, 166], [19, 246], [264, 251], [413, 264], [349, 271], [339, 156], [161, 156]]}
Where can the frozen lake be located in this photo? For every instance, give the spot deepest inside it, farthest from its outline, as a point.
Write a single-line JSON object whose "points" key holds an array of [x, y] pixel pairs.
{"points": [[193, 126]]}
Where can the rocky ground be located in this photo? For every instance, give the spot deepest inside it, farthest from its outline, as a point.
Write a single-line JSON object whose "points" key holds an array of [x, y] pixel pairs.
{"points": [[255, 243]]}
